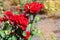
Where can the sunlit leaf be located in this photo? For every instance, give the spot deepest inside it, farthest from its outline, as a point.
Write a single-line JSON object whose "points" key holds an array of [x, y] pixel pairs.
{"points": [[14, 38], [10, 38], [7, 26], [30, 38], [29, 27], [34, 31], [24, 33], [37, 18], [2, 33], [7, 32]]}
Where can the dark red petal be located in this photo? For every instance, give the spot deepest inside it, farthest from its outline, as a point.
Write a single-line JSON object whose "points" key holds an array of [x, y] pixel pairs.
{"points": [[8, 13]]}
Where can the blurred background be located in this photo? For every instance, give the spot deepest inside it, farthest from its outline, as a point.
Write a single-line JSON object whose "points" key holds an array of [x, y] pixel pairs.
{"points": [[50, 19]]}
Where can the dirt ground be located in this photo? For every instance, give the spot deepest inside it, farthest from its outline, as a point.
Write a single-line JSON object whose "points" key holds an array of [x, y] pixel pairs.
{"points": [[49, 26]]}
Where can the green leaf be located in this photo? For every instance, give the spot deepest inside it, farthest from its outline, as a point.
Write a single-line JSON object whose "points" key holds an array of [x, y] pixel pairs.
{"points": [[24, 33], [2, 34], [30, 38], [1, 38], [37, 18], [34, 31], [14, 38], [7, 32], [9, 38], [30, 25], [7, 26]]}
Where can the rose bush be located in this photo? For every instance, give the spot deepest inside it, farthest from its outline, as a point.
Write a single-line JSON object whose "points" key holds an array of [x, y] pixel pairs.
{"points": [[19, 26]]}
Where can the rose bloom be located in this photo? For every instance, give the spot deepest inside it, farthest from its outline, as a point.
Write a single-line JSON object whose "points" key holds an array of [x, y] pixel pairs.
{"points": [[21, 19], [16, 19], [26, 7], [13, 20], [27, 35], [5, 18], [33, 7], [7, 15]]}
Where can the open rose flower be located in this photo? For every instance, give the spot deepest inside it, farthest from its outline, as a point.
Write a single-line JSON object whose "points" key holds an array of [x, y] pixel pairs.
{"points": [[8, 13], [23, 21], [33, 7], [14, 20]]}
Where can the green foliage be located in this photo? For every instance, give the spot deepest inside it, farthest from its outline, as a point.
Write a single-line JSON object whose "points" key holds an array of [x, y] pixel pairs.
{"points": [[7, 26], [30, 38], [14, 38], [24, 33], [34, 31], [37, 18], [2, 34], [30, 25], [10, 38], [7, 32]]}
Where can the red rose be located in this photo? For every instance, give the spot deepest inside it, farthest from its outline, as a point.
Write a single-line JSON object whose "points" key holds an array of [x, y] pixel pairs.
{"points": [[23, 20], [26, 7], [27, 35], [19, 19], [5, 18], [34, 7], [8, 13], [14, 19]]}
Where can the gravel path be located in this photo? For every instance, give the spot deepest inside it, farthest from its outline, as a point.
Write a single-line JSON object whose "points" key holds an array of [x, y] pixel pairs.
{"points": [[49, 26]]}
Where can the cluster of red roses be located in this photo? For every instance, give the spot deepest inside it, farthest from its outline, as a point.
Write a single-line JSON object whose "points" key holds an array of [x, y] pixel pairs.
{"points": [[22, 19], [33, 7]]}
